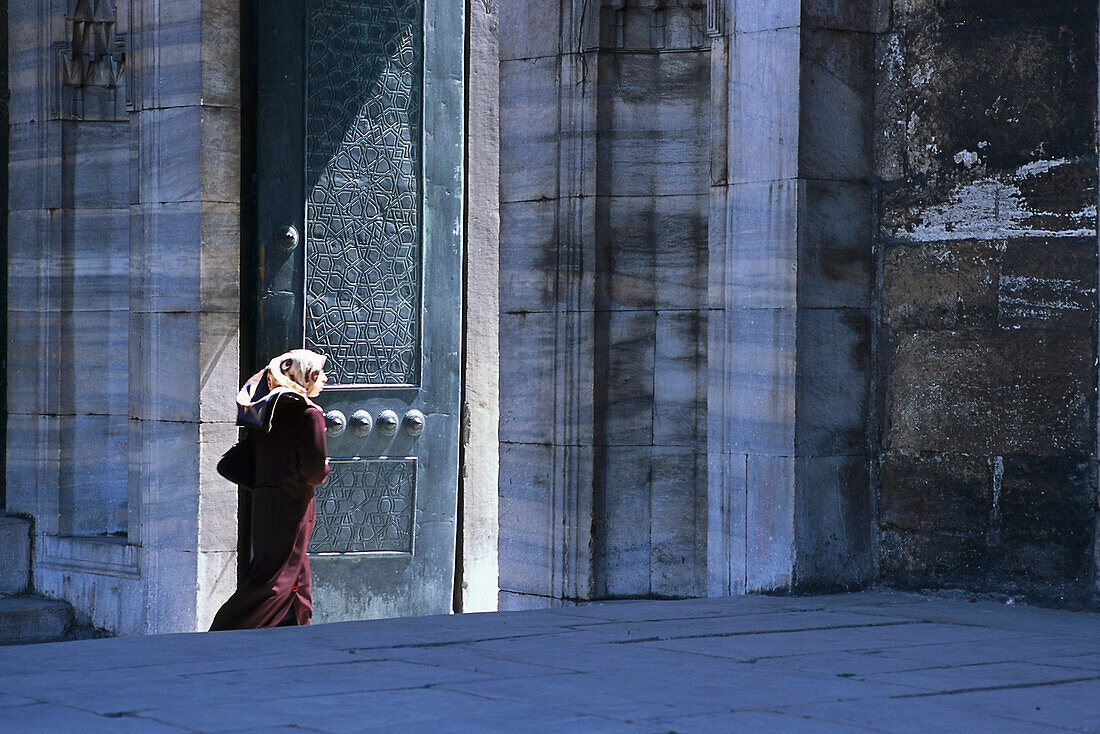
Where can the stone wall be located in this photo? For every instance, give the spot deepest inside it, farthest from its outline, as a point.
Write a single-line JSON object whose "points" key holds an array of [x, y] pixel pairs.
{"points": [[605, 122], [986, 176], [124, 303]]}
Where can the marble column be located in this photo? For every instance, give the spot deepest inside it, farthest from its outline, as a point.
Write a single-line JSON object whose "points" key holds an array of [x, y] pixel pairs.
{"points": [[790, 294]]}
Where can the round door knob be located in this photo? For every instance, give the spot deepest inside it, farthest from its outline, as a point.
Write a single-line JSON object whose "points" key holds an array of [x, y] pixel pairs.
{"points": [[335, 423], [361, 423], [414, 423], [286, 237], [387, 423]]}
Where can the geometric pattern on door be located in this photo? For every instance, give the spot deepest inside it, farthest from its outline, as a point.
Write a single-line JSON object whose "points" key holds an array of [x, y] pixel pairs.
{"points": [[366, 506], [363, 190]]}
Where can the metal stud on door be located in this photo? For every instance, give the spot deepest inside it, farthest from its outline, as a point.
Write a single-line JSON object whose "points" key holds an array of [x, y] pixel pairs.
{"points": [[360, 192]]}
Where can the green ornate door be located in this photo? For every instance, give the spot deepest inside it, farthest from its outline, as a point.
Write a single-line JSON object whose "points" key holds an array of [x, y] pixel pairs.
{"points": [[358, 221]]}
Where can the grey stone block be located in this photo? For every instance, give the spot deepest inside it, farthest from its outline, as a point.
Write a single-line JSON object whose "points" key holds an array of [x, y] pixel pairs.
{"points": [[770, 529], [850, 15], [221, 154], [656, 251], [764, 106], [624, 534], [749, 17], [166, 267], [170, 68], [835, 521], [165, 366], [221, 258], [654, 125], [759, 249], [529, 29], [221, 53], [726, 518], [526, 543], [100, 338], [531, 263], [172, 160], [28, 620], [15, 555], [834, 244], [34, 363], [529, 107], [33, 467], [679, 378], [836, 105], [94, 475], [834, 357], [678, 509], [528, 404], [97, 164], [624, 408], [34, 160], [94, 267], [760, 381]]}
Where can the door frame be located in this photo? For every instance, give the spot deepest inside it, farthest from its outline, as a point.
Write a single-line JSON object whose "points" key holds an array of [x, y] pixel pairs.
{"points": [[476, 575]]}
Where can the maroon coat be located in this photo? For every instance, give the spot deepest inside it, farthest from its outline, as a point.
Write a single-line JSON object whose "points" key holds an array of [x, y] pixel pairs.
{"points": [[290, 462]]}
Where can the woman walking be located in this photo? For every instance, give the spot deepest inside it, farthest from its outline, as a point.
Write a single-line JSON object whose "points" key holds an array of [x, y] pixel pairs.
{"points": [[288, 430]]}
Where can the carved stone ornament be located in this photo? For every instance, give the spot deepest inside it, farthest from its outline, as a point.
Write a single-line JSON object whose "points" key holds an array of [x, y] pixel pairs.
{"points": [[91, 64]]}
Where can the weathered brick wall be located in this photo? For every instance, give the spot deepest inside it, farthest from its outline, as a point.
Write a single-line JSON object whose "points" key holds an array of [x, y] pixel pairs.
{"points": [[987, 244]]}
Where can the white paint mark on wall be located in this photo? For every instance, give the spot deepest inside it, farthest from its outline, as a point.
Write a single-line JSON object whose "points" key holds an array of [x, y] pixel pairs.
{"points": [[967, 158], [996, 208]]}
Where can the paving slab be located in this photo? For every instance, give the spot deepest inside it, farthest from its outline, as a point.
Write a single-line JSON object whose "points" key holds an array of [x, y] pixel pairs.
{"points": [[872, 661]]}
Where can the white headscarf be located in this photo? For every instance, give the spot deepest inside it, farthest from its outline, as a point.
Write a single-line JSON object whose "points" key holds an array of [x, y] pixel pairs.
{"points": [[299, 370]]}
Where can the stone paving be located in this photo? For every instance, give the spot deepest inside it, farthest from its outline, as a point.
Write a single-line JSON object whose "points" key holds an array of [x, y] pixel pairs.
{"points": [[878, 661]]}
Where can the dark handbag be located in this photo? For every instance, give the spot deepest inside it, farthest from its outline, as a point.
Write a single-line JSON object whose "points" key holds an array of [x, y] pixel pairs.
{"points": [[238, 464]]}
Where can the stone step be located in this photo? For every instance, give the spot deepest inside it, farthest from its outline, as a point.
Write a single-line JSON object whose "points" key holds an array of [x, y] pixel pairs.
{"points": [[27, 619], [15, 555]]}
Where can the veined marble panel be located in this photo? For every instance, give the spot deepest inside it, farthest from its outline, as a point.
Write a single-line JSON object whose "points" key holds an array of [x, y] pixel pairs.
{"points": [[33, 468], [529, 29], [95, 265], [529, 109], [759, 375], [763, 106], [656, 251], [34, 166], [93, 489], [625, 526], [173, 159], [624, 405], [770, 539], [679, 379], [527, 519], [759, 251], [165, 460], [678, 532], [655, 125], [834, 381], [749, 17], [836, 107], [834, 244], [93, 356], [164, 370], [528, 405], [726, 523], [96, 164], [529, 256], [166, 260], [34, 364], [168, 65]]}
